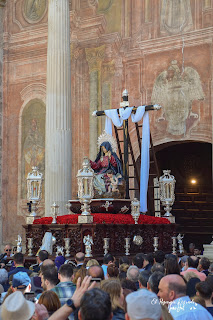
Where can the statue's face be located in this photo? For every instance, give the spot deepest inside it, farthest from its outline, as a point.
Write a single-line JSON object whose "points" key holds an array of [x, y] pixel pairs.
{"points": [[104, 149]]}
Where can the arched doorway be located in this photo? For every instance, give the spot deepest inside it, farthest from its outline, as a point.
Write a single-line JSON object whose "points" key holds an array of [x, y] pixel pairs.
{"points": [[191, 164]]}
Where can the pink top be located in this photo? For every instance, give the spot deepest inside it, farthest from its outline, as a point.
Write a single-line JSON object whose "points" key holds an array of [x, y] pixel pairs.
{"points": [[201, 275]]}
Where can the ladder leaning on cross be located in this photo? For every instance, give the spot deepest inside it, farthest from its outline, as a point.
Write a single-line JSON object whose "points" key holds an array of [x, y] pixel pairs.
{"points": [[127, 142]]}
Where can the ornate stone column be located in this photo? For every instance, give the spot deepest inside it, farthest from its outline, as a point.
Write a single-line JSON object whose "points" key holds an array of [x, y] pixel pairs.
{"points": [[94, 57], [58, 108]]}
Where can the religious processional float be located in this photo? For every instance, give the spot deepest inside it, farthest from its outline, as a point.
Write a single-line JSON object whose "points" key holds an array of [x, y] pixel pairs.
{"points": [[104, 219]]}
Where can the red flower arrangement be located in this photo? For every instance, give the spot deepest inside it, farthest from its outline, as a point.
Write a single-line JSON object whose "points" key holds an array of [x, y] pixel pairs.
{"points": [[104, 218]]}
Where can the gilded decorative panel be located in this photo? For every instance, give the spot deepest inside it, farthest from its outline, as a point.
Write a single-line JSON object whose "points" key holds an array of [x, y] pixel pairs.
{"points": [[33, 140]]}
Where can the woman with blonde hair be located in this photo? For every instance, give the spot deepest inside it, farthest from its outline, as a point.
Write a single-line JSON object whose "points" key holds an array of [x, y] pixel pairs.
{"points": [[114, 289], [92, 262], [50, 300]]}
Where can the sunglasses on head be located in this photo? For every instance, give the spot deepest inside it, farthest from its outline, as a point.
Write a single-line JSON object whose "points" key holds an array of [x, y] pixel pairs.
{"points": [[8, 250]]}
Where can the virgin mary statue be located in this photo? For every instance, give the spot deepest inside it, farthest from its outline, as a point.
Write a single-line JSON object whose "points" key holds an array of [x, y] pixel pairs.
{"points": [[107, 165]]}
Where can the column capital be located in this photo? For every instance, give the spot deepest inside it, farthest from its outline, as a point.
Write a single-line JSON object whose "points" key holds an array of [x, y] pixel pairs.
{"points": [[2, 3], [94, 57]]}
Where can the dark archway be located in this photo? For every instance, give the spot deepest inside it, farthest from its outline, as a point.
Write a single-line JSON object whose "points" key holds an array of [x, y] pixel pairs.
{"points": [[186, 161], [193, 207]]}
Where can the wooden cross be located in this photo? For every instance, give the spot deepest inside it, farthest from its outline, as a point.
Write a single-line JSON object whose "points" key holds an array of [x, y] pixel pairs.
{"points": [[124, 104]]}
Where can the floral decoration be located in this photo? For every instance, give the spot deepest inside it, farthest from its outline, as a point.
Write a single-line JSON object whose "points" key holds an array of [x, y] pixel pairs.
{"points": [[104, 218]]}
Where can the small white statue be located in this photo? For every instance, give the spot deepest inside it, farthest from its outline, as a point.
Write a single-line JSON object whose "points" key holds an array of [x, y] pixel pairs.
{"points": [[180, 242], [19, 244], [60, 251], [88, 242]]}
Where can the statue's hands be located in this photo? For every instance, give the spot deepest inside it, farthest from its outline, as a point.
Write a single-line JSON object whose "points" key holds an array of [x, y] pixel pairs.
{"points": [[109, 154]]}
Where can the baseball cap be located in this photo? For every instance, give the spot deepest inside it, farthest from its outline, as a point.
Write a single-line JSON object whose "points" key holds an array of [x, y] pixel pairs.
{"points": [[20, 280], [143, 304]]}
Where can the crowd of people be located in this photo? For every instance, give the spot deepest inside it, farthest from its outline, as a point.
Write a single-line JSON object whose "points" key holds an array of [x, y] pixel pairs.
{"points": [[154, 286]]}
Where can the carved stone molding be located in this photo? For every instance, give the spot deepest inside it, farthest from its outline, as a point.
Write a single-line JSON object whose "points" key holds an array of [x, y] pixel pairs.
{"points": [[34, 10], [32, 91], [176, 91], [87, 30]]}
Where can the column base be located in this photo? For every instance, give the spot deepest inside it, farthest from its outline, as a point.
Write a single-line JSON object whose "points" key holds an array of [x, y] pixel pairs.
{"points": [[85, 219], [30, 219]]}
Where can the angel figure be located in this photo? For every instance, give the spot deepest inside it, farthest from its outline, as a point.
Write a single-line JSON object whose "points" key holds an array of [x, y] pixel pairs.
{"points": [[176, 91], [88, 242]]}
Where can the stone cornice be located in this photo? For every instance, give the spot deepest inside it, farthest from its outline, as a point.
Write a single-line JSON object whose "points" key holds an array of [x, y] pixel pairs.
{"points": [[26, 36], [25, 44], [191, 38], [90, 28]]}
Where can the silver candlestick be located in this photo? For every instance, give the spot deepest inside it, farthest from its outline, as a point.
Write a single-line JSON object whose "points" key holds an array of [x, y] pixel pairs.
{"points": [[30, 246], [135, 209], [54, 209], [127, 246], [19, 244], [174, 245], [106, 245], [155, 244], [67, 247]]}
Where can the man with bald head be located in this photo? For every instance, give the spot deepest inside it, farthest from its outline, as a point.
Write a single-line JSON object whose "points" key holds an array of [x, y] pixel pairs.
{"points": [[79, 258], [191, 265], [97, 273], [172, 290]]}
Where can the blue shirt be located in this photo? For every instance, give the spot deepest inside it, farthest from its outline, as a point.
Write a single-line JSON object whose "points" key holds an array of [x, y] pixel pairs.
{"points": [[18, 269], [104, 267], [185, 309]]}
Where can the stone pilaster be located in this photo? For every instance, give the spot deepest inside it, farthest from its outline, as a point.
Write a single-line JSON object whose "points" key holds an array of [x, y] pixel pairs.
{"points": [[94, 57], [108, 71], [58, 108], [2, 4]]}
